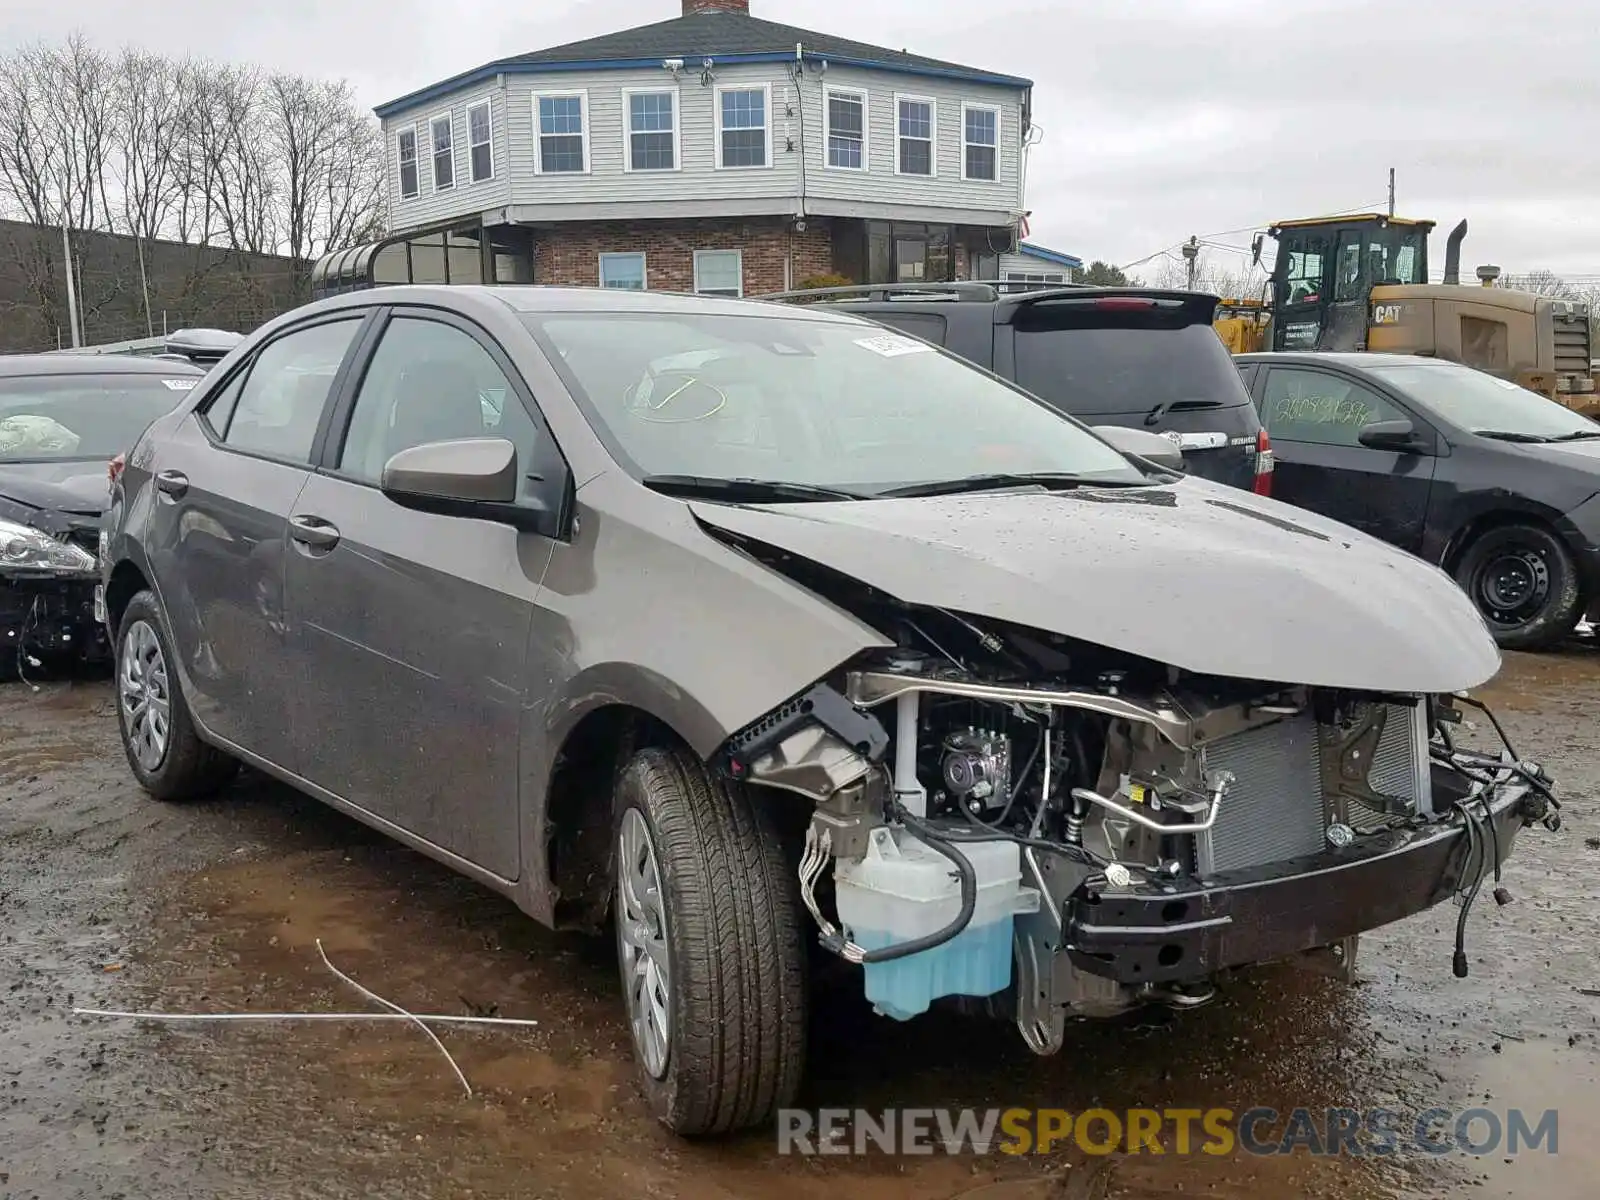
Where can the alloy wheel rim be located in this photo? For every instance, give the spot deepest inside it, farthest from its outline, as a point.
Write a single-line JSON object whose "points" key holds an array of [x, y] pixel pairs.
{"points": [[1514, 586], [642, 943], [145, 696]]}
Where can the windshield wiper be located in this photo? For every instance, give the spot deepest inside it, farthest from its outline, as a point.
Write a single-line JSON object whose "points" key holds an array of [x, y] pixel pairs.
{"points": [[1057, 480], [1578, 435], [1166, 406], [753, 491], [1511, 435]]}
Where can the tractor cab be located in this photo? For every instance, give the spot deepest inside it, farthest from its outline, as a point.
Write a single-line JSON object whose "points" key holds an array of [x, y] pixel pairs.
{"points": [[1326, 270]]}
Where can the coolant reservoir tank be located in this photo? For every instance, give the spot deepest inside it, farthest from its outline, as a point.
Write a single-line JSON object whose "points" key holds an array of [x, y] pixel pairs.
{"points": [[904, 889]]}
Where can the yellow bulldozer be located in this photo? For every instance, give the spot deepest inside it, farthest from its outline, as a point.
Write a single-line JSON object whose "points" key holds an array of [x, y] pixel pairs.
{"points": [[1361, 283]]}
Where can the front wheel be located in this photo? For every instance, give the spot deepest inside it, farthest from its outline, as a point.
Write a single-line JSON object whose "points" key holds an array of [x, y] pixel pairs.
{"points": [[1524, 582], [164, 751], [709, 943]]}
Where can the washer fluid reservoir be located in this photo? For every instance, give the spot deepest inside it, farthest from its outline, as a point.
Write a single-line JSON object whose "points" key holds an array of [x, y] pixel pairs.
{"points": [[904, 889]]}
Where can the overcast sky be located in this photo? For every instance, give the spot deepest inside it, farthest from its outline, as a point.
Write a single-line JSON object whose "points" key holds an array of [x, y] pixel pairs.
{"points": [[1160, 118]]}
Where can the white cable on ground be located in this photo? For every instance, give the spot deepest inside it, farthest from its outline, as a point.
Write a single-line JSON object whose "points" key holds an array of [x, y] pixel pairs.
{"points": [[174, 1018], [377, 999]]}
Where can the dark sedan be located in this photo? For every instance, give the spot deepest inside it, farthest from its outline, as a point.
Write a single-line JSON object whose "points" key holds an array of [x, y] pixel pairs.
{"points": [[1494, 483], [63, 418]]}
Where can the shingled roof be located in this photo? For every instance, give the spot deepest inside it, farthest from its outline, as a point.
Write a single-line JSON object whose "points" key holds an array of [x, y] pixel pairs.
{"points": [[718, 35]]}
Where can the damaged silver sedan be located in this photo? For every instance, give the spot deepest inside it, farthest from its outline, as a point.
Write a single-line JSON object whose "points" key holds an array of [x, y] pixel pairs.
{"points": [[757, 632]]}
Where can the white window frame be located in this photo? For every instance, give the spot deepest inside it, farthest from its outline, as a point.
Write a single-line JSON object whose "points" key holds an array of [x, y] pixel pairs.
{"points": [[933, 134], [860, 95], [488, 103], [433, 156], [628, 130], [538, 135], [766, 90], [416, 160], [734, 250], [644, 264], [999, 119], [1046, 278]]}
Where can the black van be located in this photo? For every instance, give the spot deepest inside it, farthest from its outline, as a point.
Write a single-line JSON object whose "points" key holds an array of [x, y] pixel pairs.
{"points": [[1137, 357]]}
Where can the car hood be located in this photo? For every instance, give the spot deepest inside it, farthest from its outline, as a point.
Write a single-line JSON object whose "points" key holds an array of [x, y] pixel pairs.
{"points": [[1194, 575], [81, 488], [57, 498]]}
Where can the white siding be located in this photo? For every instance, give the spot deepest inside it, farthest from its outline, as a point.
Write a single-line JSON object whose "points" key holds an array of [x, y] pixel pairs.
{"points": [[429, 206], [797, 170], [697, 176], [1027, 264], [879, 183]]}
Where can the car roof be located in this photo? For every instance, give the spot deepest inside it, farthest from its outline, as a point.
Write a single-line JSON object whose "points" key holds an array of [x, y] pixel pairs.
{"points": [[15, 365], [540, 298], [1352, 359]]}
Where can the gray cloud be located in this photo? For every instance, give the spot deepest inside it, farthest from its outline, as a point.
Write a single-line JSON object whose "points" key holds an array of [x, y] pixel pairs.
{"points": [[1161, 118]]}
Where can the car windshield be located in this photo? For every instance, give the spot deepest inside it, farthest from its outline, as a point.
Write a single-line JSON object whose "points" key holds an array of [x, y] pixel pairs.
{"points": [[1484, 403], [806, 402], [48, 418]]}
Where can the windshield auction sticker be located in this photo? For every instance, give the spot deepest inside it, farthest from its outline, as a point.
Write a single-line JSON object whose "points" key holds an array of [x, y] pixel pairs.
{"points": [[180, 385], [892, 345]]}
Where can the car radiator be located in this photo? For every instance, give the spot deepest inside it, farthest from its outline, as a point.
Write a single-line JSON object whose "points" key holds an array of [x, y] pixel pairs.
{"points": [[1277, 807]]}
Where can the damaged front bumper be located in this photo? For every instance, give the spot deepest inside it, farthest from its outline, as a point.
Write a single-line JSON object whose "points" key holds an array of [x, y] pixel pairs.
{"points": [[44, 618], [1172, 931]]}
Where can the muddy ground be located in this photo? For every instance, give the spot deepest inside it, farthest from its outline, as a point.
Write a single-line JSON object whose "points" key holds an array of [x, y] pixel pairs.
{"points": [[109, 899]]}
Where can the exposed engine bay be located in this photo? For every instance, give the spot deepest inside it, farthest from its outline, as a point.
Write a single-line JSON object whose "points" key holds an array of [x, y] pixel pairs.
{"points": [[1060, 831]]}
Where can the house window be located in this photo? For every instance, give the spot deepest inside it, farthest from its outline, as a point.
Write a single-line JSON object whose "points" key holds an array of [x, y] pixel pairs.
{"points": [[652, 131], [980, 143], [847, 130], [407, 144], [1037, 278], [742, 129], [719, 272], [918, 124], [480, 141], [444, 153], [622, 271], [563, 133]]}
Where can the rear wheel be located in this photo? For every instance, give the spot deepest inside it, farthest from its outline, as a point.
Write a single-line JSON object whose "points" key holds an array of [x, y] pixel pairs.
{"points": [[709, 944], [164, 752], [1524, 582]]}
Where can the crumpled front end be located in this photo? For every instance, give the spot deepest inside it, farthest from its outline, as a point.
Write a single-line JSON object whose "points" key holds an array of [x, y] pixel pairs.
{"points": [[1052, 829], [48, 577]]}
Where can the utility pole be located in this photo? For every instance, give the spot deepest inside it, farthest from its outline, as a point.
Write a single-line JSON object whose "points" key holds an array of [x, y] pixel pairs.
{"points": [[1191, 252], [72, 289], [1391, 191]]}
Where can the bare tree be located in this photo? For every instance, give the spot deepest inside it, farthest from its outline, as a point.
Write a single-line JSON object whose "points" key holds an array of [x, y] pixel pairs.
{"points": [[28, 153], [76, 89], [148, 140]]}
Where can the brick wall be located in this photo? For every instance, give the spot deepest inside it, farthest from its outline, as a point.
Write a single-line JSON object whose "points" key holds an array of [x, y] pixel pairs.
{"points": [[571, 255]]}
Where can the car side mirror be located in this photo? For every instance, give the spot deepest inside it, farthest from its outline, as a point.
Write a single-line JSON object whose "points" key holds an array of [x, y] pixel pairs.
{"points": [[1162, 451], [1399, 436], [468, 471]]}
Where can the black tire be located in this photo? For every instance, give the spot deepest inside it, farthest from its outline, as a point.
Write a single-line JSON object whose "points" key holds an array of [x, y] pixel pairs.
{"points": [[1524, 582], [189, 768], [737, 956]]}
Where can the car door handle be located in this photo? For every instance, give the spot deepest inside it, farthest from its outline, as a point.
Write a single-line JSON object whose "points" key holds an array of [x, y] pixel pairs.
{"points": [[313, 532], [172, 483]]}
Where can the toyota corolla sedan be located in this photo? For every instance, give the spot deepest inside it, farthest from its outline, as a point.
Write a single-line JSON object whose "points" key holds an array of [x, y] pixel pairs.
{"points": [[695, 618]]}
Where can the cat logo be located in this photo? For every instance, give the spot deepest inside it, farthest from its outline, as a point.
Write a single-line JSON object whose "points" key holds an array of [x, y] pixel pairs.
{"points": [[1386, 314]]}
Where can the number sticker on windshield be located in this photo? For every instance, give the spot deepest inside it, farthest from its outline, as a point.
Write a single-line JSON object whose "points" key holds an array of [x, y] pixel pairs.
{"points": [[180, 385], [892, 345]]}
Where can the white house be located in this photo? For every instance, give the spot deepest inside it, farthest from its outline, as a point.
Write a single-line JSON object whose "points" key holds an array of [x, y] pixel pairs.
{"points": [[714, 152]]}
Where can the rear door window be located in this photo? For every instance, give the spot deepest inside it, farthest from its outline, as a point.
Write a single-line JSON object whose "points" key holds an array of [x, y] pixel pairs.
{"points": [[1114, 370], [278, 410], [930, 327]]}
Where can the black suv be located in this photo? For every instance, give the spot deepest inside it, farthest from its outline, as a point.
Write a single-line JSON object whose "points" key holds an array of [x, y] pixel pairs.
{"points": [[1137, 357]]}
